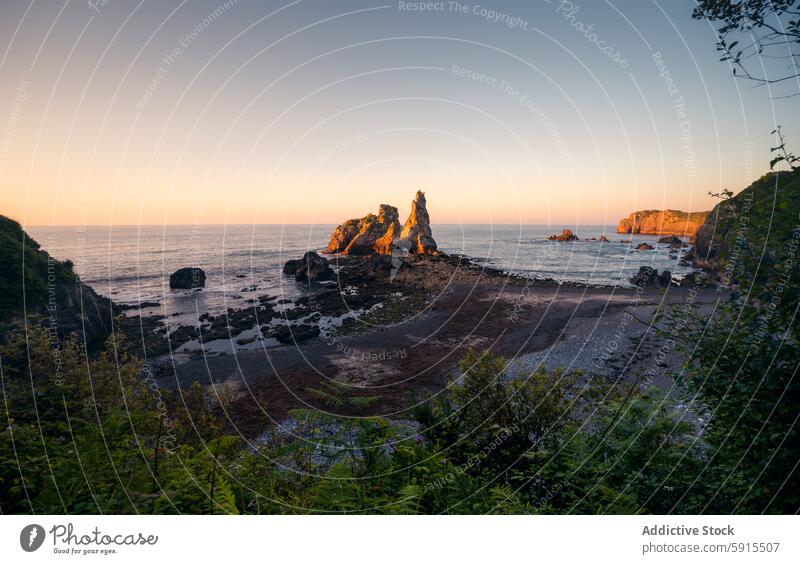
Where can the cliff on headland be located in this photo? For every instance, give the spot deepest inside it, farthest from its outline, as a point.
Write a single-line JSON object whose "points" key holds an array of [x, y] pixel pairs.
{"points": [[382, 234], [38, 287], [662, 222]]}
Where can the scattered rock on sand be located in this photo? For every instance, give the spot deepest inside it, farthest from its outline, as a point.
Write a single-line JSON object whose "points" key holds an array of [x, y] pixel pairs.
{"points": [[187, 278], [649, 277]]}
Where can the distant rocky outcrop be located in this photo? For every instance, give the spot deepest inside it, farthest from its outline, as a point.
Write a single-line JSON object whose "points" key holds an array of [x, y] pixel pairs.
{"points": [[671, 240], [644, 247], [566, 235], [662, 222], [382, 234], [310, 268], [187, 278], [38, 288]]}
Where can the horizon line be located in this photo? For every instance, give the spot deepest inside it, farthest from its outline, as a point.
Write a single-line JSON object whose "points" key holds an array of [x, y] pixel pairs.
{"points": [[297, 224]]}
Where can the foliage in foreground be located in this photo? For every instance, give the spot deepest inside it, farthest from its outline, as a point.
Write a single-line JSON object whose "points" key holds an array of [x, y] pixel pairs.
{"points": [[98, 435]]}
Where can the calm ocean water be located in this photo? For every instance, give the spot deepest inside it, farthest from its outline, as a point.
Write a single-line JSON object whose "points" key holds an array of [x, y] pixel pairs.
{"points": [[132, 264]]}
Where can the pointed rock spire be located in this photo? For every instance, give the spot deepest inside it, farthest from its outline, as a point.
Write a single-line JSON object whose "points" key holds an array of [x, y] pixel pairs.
{"points": [[417, 236]]}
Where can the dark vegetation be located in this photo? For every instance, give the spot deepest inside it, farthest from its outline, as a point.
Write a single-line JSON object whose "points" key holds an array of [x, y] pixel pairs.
{"points": [[25, 269], [36, 288]]}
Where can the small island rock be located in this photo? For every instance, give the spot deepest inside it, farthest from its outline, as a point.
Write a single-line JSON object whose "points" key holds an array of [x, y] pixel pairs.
{"points": [[187, 278], [566, 235]]}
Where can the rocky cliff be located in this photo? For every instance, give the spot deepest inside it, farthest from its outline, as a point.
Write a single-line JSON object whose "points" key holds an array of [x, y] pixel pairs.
{"points": [[662, 222], [36, 287], [417, 236], [382, 233], [370, 234]]}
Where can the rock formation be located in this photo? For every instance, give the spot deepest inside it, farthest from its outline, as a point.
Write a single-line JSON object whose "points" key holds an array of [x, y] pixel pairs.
{"points": [[671, 240], [310, 268], [382, 234], [649, 277], [417, 236], [566, 235], [187, 278], [666, 222], [370, 234], [644, 247]]}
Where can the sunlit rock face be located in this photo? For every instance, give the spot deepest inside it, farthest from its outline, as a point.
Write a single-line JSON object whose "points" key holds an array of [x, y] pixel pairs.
{"points": [[662, 222], [367, 235], [417, 236], [382, 234]]}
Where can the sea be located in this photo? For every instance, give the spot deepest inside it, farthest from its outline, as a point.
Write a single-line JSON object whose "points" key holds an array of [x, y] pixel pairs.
{"points": [[132, 264]]}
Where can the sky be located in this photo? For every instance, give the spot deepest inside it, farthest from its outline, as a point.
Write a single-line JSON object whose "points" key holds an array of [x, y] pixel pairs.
{"points": [[126, 112]]}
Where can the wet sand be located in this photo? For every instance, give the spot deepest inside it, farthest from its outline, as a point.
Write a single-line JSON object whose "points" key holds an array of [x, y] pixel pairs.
{"points": [[602, 331]]}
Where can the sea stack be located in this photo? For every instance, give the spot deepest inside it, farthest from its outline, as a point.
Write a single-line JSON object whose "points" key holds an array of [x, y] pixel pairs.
{"points": [[382, 234], [370, 234], [417, 236]]}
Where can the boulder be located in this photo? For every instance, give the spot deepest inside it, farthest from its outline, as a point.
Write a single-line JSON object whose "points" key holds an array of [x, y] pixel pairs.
{"points": [[566, 235], [187, 278], [310, 268], [644, 247], [662, 222], [604, 239], [647, 277], [416, 236], [291, 267], [671, 240]]}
